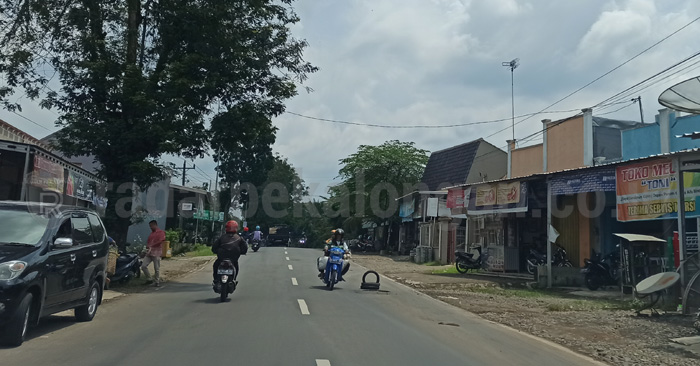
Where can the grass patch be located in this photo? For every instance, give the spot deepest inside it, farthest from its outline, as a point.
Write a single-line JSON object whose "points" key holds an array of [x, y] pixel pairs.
{"points": [[200, 250], [451, 270], [432, 264]]}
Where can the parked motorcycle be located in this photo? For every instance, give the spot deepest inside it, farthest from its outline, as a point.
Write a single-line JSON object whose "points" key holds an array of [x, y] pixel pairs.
{"points": [[334, 267], [535, 258], [256, 245], [465, 261], [600, 272], [128, 267], [226, 284]]}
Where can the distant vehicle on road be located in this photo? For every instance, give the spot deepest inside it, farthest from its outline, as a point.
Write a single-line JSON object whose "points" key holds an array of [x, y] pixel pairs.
{"points": [[279, 235], [52, 258]]}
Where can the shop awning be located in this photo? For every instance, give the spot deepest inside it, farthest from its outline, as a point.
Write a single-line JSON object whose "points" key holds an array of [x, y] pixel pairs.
{"points": [[639, 237]]}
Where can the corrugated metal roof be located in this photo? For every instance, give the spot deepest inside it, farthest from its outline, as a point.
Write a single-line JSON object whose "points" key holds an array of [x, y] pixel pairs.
{"points": [[693, 135]]}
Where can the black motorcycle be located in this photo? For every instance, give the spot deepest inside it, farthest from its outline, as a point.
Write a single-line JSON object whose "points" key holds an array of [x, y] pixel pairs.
{"points": [[128, 267], [600, 272], [466, 261], [256, 245], [535, 259], [225, 284]]}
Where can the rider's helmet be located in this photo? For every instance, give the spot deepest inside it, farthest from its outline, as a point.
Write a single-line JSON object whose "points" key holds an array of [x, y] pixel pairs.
{"points": [[245, 229], [231, 226], [257, 228], [339, 232]]}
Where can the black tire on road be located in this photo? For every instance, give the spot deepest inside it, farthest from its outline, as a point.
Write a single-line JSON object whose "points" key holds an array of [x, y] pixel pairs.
{"points": [[87, 312], [460, 267], [333, 279], [566, 264], [14, 333], [224, 292]]}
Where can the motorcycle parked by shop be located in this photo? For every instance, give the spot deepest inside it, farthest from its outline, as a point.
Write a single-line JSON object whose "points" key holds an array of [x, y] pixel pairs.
{"points": [[466, 261], [535, 259], [599, 272], [226, 283]]}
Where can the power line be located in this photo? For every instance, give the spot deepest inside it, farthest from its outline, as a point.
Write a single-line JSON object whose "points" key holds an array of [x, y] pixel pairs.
{"points": [[36, 123], [606, 73], [426, 126], [632, 90], [619, 109], [205, 174]]}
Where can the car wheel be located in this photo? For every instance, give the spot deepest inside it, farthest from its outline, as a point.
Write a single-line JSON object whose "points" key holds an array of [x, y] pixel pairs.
{"points": [[87, 312], [16, 329]]}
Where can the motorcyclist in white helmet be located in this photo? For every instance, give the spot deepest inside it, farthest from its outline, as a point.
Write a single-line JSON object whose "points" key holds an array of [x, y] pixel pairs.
{"points": [[336, 241]]}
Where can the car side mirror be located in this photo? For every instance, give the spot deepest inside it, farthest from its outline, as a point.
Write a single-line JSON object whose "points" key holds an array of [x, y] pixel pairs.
{"points": [[62, 243]]}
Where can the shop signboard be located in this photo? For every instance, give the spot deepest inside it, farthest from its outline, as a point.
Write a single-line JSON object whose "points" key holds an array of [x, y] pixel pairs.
{"points": [[80, 186], [432, 207], [649, 191], [458, 198], [498, 198], [47, 175], [598, 180]]}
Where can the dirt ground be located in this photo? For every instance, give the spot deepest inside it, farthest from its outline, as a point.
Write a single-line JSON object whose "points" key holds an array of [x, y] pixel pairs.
{"points": [[170, 269], [606, 330]]}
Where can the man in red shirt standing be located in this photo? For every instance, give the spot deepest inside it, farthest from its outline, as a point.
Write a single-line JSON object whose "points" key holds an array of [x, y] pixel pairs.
{"points": [[155, 251]]}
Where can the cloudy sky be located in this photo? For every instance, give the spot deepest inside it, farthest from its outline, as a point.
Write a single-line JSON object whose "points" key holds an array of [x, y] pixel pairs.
{"points": [[437, 62]]}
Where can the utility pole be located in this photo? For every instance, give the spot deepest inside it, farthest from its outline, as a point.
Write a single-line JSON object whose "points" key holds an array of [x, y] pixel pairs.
{"points": [[215, 199], [641, 112], [185, 168], [512, 65]]}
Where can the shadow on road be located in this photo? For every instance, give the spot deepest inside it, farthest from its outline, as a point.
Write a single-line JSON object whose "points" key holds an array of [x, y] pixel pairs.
{"points": [[48, 325], [173, 287], [211, 300]]}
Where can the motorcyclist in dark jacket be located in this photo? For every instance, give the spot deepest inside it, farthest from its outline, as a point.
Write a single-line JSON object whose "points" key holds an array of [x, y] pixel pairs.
{"points": [[229, 246]]}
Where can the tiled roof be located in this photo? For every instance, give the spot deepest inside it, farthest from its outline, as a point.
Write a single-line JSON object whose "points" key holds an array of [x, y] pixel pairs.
{"points": [[450, 166]]}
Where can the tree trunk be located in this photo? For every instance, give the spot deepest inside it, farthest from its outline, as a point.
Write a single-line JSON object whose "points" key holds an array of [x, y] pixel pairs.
{"points": [[118, 213]]}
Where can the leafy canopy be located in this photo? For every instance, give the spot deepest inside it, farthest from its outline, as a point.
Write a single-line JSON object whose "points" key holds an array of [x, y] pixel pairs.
{"points": [[375, 176]]}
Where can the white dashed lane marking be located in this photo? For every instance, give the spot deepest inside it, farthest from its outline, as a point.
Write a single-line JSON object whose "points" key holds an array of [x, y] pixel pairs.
{"points": [[323, 363], [304, 308], [294, 282], [291, 268]]}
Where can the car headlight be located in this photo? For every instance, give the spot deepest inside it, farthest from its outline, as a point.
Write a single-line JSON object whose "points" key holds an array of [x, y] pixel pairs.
{"points": [[11, 270]]}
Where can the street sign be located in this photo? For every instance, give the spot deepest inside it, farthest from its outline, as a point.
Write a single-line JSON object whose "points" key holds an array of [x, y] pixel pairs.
{"points": [[187, 206]]}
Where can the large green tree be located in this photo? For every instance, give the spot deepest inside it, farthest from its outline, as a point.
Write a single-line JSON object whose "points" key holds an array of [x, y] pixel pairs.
{"points": [[279, 199], [144, 78], [372, 179]]}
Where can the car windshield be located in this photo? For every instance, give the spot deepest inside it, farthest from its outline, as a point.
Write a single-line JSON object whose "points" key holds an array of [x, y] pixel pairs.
{"points": [[21, 227]]}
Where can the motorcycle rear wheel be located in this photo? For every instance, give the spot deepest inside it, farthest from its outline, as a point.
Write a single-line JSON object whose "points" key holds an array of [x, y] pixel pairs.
{"points": [[224, 292], [531, 267], [461, 267], [592, 281]]}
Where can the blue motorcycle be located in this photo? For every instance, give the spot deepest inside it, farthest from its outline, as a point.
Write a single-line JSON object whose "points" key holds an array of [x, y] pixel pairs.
{"points": [[334, 267]]}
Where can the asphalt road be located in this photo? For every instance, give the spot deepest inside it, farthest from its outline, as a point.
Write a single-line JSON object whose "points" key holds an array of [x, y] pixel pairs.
{"points": [[271, 321]]}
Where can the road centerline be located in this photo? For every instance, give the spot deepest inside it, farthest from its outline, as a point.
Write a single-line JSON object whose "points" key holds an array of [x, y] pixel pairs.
{"points": [[294, 281], [323, 363], [290, 267], [303, 307]]}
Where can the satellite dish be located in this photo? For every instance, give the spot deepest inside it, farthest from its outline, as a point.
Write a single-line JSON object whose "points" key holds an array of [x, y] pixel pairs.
{"points": [[657, 282]]}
